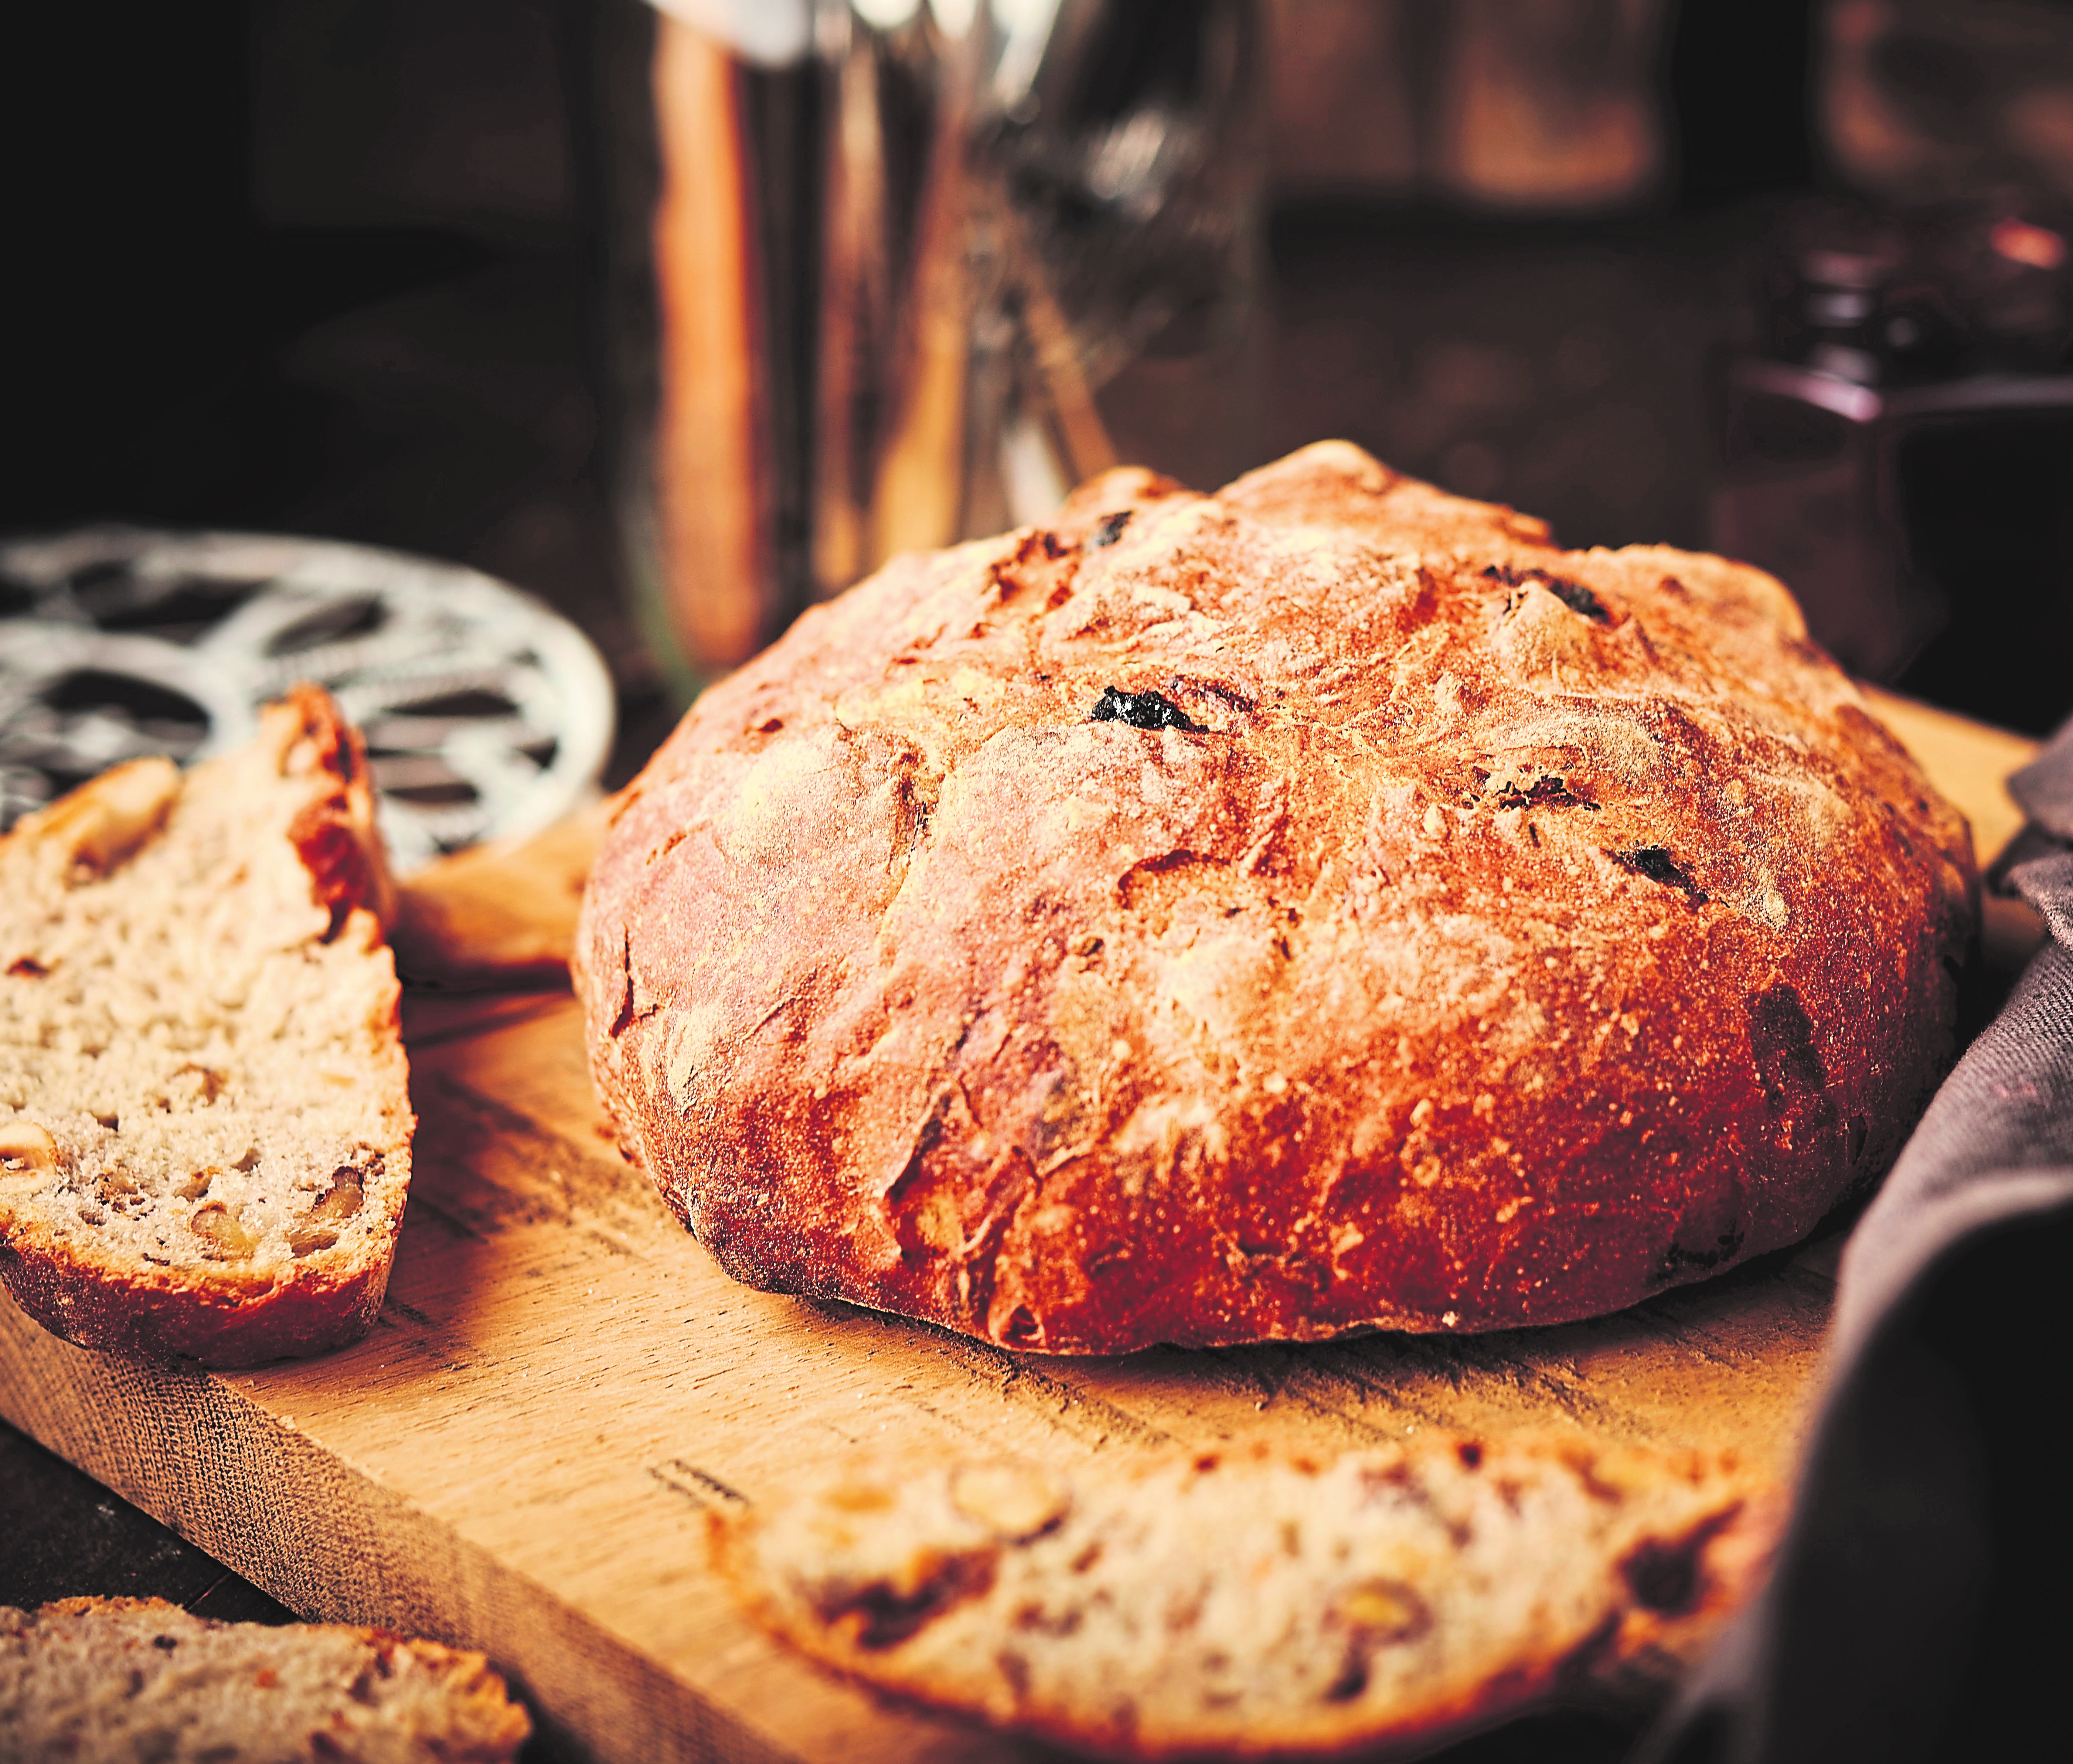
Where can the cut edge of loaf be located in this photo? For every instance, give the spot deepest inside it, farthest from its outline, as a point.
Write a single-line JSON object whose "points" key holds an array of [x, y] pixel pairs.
{"points": [[298, 1297]]}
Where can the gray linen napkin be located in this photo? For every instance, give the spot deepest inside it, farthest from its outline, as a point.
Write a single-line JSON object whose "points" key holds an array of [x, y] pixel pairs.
{"points": [[1922, 1604]]}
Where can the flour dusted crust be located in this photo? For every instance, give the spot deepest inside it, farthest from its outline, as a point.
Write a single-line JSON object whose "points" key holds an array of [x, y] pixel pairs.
{"points": [[1252, 1603], [1493, 935], [204, 1110]]}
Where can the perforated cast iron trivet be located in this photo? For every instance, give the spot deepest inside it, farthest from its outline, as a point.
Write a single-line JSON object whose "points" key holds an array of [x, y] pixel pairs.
{"points": [[486, 715]]}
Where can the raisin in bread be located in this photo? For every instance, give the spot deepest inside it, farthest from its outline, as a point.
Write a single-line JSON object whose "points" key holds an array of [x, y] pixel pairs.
{"points": [[1253, 1604], [126, 1681], [1320, 906], [205, 1112]]}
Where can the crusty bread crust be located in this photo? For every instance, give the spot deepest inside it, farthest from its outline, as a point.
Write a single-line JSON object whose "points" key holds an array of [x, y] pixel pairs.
{"points": [[318, 949], [1321, 906], [1250, 1602], [223, 1318]]}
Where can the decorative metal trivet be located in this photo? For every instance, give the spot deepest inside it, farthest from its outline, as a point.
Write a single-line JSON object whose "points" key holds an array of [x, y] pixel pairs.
{"points": [[486, 715]]}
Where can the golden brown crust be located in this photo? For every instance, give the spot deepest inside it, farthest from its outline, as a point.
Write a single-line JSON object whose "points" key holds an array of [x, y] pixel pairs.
{"points": [[335, 833], [115, 1306], [1508, 935]]}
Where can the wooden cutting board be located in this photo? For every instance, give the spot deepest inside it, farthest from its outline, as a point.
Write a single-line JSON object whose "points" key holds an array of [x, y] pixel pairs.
{"points": [[521, 1456]]}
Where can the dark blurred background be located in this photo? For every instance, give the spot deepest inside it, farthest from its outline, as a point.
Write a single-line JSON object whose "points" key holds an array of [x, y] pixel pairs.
{"points": [[335, 266]]}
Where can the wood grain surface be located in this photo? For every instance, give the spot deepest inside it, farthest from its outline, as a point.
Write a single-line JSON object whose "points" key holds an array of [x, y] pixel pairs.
{"points": [[520, 1457]]}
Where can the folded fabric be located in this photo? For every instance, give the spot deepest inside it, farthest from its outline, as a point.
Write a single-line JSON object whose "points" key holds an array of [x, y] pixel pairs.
{"points": [[1922, 1604]]}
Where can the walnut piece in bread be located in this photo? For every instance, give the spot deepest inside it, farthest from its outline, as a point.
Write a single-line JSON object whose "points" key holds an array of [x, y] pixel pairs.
{"points": [[204, 1111], [125, 1681], [1318, 906], [1251, 1603]]}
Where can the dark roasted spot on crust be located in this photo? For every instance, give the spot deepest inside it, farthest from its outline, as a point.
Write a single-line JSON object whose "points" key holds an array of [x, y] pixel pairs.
{"points": [[1796, 1080], [1663, 1573], [1412, 1618], [1470, 1454], [890, 1618], [1677, 1259], [1782, 1038], [1656, 864], [26, 967], [339, 877], [1554, 791], [1351, 1678], [1573, 595], [1109, 531], [1663, 1577], [1141, 711], [165, 1641]]}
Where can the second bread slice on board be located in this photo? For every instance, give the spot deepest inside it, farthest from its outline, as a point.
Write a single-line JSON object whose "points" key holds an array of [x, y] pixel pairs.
{"points": [[1250, 1603], [139, 1681]]}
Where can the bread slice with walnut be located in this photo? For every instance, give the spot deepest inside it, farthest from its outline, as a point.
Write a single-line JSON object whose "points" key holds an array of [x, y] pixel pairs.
{"points": [[120, 1681], [1252, 1603], [204, 1110]]}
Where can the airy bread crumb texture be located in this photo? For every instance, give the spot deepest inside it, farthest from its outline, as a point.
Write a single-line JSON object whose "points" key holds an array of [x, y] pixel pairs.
{"points": [[203, 1094], [1250, 1603], [116, 1680]]}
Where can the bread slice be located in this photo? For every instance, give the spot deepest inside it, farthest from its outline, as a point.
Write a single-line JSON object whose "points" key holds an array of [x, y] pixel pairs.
{"points": [[117, 1680], [1250, 1603], [204, 1109]]}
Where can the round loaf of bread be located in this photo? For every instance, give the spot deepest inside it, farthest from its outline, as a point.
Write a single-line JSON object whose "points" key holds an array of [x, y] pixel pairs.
{"points": [[1319, 906]]}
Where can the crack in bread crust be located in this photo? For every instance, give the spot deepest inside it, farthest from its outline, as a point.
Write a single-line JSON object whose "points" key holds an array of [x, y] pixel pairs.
{"points": [[1453, 948]]}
